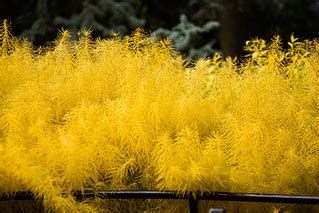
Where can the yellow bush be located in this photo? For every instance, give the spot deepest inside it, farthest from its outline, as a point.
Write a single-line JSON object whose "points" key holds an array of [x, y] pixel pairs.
{"points": [[125, 113]]}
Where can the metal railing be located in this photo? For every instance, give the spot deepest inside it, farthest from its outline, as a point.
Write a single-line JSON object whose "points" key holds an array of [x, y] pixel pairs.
{"points": [[192, 197]]}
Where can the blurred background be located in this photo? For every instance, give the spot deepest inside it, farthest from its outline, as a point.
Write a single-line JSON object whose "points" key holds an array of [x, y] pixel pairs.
{"points": [[198, 28]]}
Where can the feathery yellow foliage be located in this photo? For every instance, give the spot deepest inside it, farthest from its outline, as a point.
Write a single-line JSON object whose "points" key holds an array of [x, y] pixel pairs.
{"points": [[125, 113]]}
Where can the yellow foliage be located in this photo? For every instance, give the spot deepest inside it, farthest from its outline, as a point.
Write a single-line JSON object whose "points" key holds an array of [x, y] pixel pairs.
{"points": [[124, 113]]}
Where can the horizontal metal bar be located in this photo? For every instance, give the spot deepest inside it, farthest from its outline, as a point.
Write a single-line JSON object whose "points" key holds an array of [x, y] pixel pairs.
{"points": [[243, 197], [220, 196], [265, 198]]}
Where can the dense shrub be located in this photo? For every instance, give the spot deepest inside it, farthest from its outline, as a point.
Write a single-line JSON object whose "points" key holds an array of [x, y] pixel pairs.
{"points": [[125, 113]]}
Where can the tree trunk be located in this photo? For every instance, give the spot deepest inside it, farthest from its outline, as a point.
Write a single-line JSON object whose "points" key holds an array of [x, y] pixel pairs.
{"points": [[233, 31]]}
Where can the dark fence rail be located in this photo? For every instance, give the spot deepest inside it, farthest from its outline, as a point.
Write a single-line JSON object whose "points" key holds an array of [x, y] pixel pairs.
{"points": [[193, 198]]}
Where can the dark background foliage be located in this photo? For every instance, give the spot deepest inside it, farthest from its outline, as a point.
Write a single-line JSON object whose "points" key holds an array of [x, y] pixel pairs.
{"points": [[235, 20]]}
